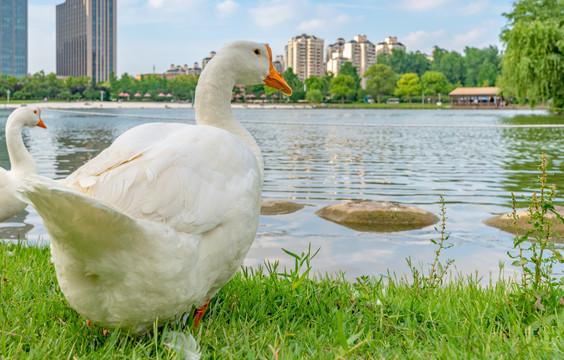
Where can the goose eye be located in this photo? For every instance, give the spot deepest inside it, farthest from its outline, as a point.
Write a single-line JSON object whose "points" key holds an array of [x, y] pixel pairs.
{"points": [[35, 111], [256, 51]]}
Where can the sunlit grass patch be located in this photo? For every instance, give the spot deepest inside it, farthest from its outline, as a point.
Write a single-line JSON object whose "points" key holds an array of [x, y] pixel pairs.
{"points": [[274, 313]]}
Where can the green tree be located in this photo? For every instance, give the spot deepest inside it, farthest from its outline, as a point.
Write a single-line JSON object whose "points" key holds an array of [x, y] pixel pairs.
{"points": [[182, 86], [343, 86], [350, 70], [314, 96], [76, 86], [533, 62], [295, 83], [451, 64], [482, 66], [317, 85], [313, 83], [381, 80], [408, 85], [321, 83], [403, 63], [433, 83]]}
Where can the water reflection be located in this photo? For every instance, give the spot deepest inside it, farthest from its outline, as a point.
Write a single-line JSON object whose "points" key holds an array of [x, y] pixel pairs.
{"points": [[474, 159]]}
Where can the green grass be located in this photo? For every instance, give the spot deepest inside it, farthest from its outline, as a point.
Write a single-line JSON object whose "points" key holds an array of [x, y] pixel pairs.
{"points": [[261, 314]]}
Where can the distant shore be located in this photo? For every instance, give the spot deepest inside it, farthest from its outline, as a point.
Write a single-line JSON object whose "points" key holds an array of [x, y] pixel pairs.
{"points": [[74, 105], [141, 105]]}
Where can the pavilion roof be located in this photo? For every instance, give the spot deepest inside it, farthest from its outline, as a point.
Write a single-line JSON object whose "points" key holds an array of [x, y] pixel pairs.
{"points": [[476, 91]]}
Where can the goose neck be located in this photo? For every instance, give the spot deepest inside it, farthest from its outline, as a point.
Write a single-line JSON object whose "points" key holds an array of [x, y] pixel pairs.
{"points": [[213, 105], [20, 158]]}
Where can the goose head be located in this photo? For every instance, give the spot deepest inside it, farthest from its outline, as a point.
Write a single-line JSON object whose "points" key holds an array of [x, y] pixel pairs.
{"points": [[251, 64], [26, 116]]}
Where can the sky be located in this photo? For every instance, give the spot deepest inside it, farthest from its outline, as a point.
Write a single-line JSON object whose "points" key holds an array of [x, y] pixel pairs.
{"points": [[153, 34]]}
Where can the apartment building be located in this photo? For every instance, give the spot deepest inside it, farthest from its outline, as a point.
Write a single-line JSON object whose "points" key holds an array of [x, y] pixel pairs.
{"points": [[13, 37], [278, 63], [359, 52], [86, 39], [334, 58], [304, 54], [207, 59], [390, 43]]}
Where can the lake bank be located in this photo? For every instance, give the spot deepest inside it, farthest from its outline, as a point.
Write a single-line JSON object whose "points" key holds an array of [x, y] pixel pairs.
{"points": [[74, 105]]}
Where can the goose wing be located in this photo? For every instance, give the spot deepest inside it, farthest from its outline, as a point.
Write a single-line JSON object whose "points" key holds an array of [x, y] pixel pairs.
{"points": [[184, 175]]}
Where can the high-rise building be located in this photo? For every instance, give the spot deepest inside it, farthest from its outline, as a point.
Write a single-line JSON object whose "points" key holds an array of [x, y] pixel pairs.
{"points": [[334, 57], [359, 52], [86, 38], [390, 43], [304, 54], [13, 37]]}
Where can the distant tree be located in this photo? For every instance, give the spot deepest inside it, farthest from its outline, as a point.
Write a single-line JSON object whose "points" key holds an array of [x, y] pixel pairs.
{"points": [[433, 83], [152, 84], [295, 83], [451, 64], [408, 85], [349, 69], [76, 85], [343, 86], [314, 96], [381, 80], [403, 63], [482, 66], [91, 93], [533, 62], [182, 87], [318, 84], [313, 82]]}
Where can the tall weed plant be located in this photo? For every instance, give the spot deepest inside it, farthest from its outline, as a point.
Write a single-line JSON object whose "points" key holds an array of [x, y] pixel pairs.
{"points": [[537, 254], [436, 273]]}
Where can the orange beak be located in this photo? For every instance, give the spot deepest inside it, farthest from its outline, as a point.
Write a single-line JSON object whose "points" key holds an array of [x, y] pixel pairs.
{"points": [[41, 123], [275, 79]]}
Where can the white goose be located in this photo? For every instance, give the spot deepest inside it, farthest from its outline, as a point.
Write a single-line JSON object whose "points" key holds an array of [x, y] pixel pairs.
{"points": [[159, 221], [21, 162]]}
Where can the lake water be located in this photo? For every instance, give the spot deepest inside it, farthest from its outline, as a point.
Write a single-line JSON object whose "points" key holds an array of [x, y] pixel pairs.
{"points": [[474, 159]]}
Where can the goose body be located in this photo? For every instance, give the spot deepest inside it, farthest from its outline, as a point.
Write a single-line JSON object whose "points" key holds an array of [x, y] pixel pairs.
{"points": [[21, 162], [159, 221]]}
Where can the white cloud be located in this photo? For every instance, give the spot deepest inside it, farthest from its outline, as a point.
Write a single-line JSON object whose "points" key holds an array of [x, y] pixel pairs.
{"points": [[139, 12], [311, 25], [423, 40], [419, 5], [320, 24], [343, 19], [274, 12], [482, 36], [226, 8], [174, 6], [474, 8], [156, 3]]}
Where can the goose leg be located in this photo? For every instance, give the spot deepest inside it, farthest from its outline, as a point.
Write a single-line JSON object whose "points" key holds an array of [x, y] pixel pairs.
{"points": [[199, 313]]}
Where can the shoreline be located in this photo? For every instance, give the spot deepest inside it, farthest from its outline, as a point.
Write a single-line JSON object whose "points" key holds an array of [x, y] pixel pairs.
{"points": [[177, 105]]}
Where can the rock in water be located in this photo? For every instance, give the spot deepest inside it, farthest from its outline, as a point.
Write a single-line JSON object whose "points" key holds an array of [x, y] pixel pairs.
{"points": [[380, 216], [505, 222], [279, 207]]}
